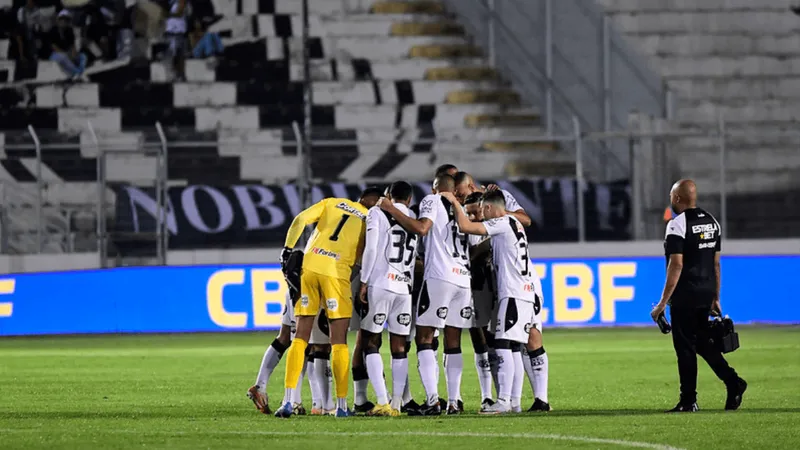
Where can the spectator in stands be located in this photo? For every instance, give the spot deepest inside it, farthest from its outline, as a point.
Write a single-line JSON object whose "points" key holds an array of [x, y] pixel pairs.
{"points": [[176, 36], [65, 53], [204, 43], [33, 24]]}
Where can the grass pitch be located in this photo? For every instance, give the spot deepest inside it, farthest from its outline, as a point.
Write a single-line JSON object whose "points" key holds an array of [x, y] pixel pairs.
{"points": [[608, 388]]}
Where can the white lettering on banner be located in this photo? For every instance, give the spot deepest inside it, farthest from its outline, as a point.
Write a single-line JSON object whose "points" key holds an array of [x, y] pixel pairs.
{"points": [[224, 209], [137, 197], [292, 196], [266, 203]]}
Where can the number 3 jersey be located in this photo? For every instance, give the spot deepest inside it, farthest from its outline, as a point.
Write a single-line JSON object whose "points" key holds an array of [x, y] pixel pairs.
{"points": [[515, 275], [389, 253], [338, 239], [446, 247]]}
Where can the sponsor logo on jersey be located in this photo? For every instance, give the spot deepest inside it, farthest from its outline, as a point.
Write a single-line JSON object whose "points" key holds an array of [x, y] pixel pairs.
{"points": [[404, 319], [460, 271], [528, 327], [707, 245], [332, 304], [323, 252], [442, 312], [304, 300], [347, 208], [379, 319], [528, 287], [399, 278], [426, 206], [466, 312]]}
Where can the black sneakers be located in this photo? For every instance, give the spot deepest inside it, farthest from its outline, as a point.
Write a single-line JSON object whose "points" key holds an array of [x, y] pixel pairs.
{"points": [[410, 406], [683, 408], [426, 410], [735, 393], [539, 405], [363, 408]]}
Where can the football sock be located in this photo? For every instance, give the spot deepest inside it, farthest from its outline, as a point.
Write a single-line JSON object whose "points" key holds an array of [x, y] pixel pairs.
{"points": [[298, 392], [295, 360], [340, 363], [519, 379], [538, 373], [454, 367], [493, 367], [399, 378], [269, 362], [322, 379], [360, 382], [375, 370], [427, 372], [505, 373], [526, 361], [329, 390], [407, 387], [484, 374], [313, 381]]}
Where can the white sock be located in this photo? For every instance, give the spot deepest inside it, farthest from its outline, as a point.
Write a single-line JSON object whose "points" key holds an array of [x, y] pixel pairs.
{"points": [[400, 381], [526, 362], [427, 372], [329, 405], [538, 375], [270, 360], [289, 395], [321, 380], [444, 357], [298, 393], [484, 374], [454, 367], [407, 388], [505, 373], [493, 367], [519, 380], [360, 395], [313, 381], [375, 370]]}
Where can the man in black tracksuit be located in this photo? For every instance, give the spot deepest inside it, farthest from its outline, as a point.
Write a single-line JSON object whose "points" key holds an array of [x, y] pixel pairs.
{"points": [[692, 245]]}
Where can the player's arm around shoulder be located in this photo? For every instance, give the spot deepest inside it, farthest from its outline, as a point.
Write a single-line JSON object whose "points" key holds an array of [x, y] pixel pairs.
{"points": [[516, 210], [464, 224], [419, 226]]}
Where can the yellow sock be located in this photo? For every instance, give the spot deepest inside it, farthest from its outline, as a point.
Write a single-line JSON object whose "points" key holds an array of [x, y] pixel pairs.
{"points": [[295, 359], [340, 366]]}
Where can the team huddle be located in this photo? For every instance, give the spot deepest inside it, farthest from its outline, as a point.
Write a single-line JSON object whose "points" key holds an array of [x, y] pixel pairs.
{"points": [[456, 261]]}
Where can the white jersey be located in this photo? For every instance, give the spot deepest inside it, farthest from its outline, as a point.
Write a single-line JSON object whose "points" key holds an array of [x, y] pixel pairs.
{"points": [[511, 203], [446, 247], [389, 252], [515, 274]]}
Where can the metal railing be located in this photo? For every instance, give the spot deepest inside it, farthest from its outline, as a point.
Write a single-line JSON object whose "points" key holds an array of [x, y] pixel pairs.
{"points": [[600, 82], [34, 218]]}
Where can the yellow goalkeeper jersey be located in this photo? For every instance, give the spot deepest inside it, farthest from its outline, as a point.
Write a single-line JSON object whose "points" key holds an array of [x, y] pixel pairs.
{"points": [[338, 239]]}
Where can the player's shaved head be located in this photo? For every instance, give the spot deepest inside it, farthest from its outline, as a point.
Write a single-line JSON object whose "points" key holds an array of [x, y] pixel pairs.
{"points": [[444, 183], [463, 178], [683, 195], [369, 197], [448, 169]]}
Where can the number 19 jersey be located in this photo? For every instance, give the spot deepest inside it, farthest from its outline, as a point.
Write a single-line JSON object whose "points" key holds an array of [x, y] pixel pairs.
{"points": [[338, 239], [446, 247], [389, 252]]}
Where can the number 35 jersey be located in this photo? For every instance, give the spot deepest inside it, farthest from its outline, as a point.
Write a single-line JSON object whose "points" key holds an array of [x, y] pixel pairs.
{"points": [[338, 239], [446, 247], [389, 252], [516, 276]]}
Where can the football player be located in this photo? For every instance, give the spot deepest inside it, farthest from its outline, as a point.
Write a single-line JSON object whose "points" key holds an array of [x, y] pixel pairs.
{"points": [[465, 185], [386, 281], [519, 294], [333, 249], [445, 300]]}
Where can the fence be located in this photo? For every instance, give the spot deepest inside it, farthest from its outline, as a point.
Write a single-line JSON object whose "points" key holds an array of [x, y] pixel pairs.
{"points": [[50, 215]]}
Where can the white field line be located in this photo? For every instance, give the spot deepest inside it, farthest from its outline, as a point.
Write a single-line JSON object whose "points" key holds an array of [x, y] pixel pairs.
{"points": [[552, 437]]}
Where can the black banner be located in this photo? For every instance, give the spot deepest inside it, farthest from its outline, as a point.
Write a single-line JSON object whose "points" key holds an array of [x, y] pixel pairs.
{"points": [[249, 215]]}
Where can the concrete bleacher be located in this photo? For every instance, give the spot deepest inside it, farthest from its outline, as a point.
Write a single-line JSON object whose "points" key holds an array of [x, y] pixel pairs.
{"points": [[737, 59], [390, 77]]}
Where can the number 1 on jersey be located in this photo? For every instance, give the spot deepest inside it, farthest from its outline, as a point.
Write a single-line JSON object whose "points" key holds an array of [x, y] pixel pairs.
{"points": [[335, 235]]}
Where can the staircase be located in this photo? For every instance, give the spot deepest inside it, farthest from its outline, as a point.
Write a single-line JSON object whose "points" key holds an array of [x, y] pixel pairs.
{"points": [[738, 59]]}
